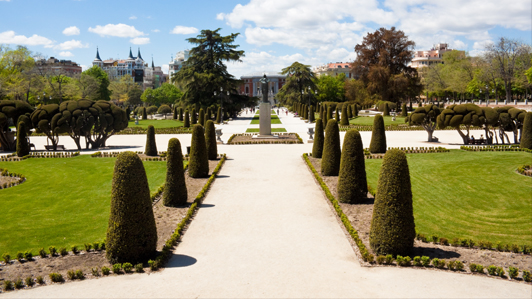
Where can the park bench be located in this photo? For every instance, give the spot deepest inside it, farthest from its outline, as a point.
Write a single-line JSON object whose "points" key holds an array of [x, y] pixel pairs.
{"points": [[51, 147]]}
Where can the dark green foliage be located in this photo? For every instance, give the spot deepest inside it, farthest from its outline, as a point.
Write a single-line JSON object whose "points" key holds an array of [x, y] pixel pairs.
{"points": [[128, 113], [186, 124], [193, 117], [344, 120], [349, 111], [180, 113], [404, 112], [386, 111], [329, 115], [321, 113], [526, 136], [12, 110], [330, 162], [164, 109], [201, 119], [144, 114], [210, 140], [208, 114], [337, 115], [356, 110], [131, 234], [198, 166], [317, 147], [175, 188], [151, 146], [311, 115], [219, 115], [378, 136], [392, 225], [175, 113], [352, 183], [23, 148]]}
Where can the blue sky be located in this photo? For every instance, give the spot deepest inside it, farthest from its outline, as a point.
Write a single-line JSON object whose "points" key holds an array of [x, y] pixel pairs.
{"points": [[273, 33]]}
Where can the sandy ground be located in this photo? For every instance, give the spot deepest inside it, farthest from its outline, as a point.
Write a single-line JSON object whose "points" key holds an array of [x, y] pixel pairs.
{"points": [[269, 232]]}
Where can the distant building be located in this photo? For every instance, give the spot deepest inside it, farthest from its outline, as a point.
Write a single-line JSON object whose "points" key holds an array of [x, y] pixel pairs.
{"points": [[177, 63], [153, 76], [251, 84], [428, 58], [333, 69], [116, 68], [56, 66]]}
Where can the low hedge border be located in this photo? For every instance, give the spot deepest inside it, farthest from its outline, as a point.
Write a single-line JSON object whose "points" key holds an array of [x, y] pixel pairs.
{"points": [[13, 157], [6, 173], [407, 150], [161, 157], [139, 131], [495, 148], [523, 170], [399, 127], [366, 256], [299, 140]]}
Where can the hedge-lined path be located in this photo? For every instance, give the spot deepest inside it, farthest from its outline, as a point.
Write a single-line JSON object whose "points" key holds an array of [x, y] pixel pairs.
{"points": [[267, 231]]}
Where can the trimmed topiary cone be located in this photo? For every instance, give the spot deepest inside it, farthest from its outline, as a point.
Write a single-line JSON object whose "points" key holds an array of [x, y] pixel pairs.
{"points": [[23, 148], [378, 136], [321, 113], [317, 147], [344, 119], [198, 165], [404, 112], [392, 225], [175, 113], [131, 233], [210, 140], [311, 115], [355, 110], [329, 115], [186, 123], [386, 111], [201, 119], [526, 137], [151, 146], [219, 115], [352, 183], [180, 114], [144, 114], [330, 162], [349, 111], [193, 117], [175, 188], [208, 114], [337, 115]]}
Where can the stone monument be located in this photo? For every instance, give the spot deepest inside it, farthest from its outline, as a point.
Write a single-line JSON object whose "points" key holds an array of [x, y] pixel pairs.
{"points": [[265, 110]]}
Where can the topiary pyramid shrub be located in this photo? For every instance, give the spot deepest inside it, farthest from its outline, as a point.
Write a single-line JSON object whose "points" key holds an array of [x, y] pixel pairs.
{"points": [[392, 225], [186, 123], [330, 162], [386, 111], [208, 114], [198, 165], [526, 136], [219, 115], [175, 188], [180, 113], [131, 233], [151, 146], [322, 116], [23, 148], [349, 111], [210, 140], [404, 112], [344, 119], [329, 115], [337, 115], [175, 114], [193, 117], [317, 147], [201, 119], [356, 110], [378, 136], [352, 183], [311, 115], [144, 114]]}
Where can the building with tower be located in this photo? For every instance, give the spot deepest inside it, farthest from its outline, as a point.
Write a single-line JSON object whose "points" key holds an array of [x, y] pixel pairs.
{"points": [[116, 68], [430, 57], [177, 63], [153, 76]]}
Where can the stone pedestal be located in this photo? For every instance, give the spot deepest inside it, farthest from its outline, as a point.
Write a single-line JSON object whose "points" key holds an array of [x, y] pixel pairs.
{"points": [[265, 119]]}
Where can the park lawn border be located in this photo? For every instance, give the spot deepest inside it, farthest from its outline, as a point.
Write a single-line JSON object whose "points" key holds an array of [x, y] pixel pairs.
{"points": [[274, 130], [267, 141]]}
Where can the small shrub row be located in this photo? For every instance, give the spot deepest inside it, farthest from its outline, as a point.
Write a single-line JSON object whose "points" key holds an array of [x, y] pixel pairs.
{"points": [[8, 158], [470, 243], [397, 127], [19, 178], [366, 255], [495, 148], [299, 140], [161, 157], [52, 251], [142, 131], [525, 170]]}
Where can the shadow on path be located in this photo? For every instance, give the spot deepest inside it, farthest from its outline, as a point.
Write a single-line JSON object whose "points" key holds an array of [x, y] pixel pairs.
{"points": [[180, 260]]}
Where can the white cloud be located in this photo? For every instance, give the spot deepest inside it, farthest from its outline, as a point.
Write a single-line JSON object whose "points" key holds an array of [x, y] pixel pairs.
{"points": [[156, 30], [140, 40], [184, 30], [72, 30], [66, 54], [84, 67], [70, 45], [133, 17], [118, 30], [9, 37]]}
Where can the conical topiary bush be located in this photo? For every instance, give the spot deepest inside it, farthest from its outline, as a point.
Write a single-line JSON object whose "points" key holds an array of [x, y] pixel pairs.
{"points": [[193, 117], [219, 116], [144, 114], [201, 119], [317, 147], [174, 116], [208, 114], [352, 183], [329, 116], [23, 148], [198, 165], [151, 146], [386, 111], [311, 115], [330, 162], [392, 225], [180, 114], [337, 115], [378, 136], [349, 111], [344, 119], [175, 188], [210, 140], [526, 136], [131, 233], [186, 123], [404, 112]]}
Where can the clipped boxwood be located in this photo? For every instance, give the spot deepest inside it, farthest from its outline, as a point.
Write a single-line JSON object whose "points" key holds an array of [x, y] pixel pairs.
{"points": [[330, 162], [378, 136], [193, 117], [404, 112], [392, 225], [144, 114], [131, 233], [352, 183], [526, 136], [23, 148], [151, 146], [317, 147], [344, 118], [386, 111], [201, 120], [210, 140], [219, 115], [186, 124], [175, 188], [198, 166]]}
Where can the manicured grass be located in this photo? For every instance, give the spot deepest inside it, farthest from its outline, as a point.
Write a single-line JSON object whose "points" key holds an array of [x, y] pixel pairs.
{"points": [[157, 124], [274, 130], [275, 120], [368, 121], [65, 201], [257, 113], [475, 195]]}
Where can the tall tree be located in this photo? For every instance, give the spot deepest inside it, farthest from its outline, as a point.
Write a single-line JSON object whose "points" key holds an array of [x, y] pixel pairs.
{"points": [[299, 78], [103, 91], [17, 72], [381, 64], [331, 88]]}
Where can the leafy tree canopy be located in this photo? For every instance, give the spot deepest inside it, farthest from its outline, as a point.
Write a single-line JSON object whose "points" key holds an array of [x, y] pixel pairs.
{"points": [[299, 78]]}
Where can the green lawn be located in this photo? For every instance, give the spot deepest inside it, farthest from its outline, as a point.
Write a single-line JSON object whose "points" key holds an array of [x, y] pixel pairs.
{"points": [[65, 201], [274, 130], [475, 195], [368, 121], [257, 113], [157, 124], [275, 120]]}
